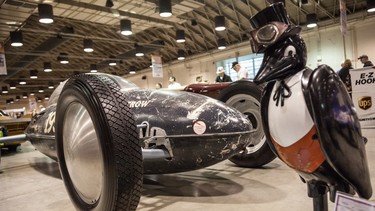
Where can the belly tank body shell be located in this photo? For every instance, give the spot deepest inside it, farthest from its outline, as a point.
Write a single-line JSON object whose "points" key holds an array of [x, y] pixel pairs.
{"points": [[197, 131], [201, 131]]}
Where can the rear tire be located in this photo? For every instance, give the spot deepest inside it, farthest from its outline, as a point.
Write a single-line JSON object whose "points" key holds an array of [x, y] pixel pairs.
{"points": [[245, 96], [98, 150]]}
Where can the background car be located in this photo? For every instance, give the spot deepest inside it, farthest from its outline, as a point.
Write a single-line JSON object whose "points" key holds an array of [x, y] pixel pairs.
{"points": [[9, 127]]}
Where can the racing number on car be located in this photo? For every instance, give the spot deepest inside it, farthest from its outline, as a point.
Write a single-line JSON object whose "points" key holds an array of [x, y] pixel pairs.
{"points": [[50, 123]]}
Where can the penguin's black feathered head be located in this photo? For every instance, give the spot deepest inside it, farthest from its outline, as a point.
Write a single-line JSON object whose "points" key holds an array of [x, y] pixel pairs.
{"points": [[279, 40]]}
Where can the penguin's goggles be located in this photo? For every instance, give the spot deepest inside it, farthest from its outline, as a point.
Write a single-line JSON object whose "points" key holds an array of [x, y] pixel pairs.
{"points": [[265, 36]]}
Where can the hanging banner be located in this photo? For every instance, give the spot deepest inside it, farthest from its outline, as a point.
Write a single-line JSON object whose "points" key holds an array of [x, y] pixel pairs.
{"points": [[157, 66], [3, 66], [363, 94], [343, 19], [32, 104]]}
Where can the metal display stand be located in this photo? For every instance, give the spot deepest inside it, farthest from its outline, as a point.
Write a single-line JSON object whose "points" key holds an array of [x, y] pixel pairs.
{"points": [[318, 191]]}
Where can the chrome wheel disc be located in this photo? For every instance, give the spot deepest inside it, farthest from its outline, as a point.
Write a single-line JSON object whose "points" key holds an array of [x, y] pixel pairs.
{"points": [[83, 156], [250, 106]]}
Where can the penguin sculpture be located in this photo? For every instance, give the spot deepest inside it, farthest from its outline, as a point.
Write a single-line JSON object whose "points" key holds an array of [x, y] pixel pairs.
{"points": [[308, 117]]}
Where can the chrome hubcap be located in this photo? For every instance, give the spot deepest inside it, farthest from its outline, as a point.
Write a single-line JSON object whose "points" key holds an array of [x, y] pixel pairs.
{"points": [[83, 156], [250, 106]]}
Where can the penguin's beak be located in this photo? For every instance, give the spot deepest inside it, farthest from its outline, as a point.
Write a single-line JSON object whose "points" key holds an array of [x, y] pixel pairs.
{"points": [[263, 74]]}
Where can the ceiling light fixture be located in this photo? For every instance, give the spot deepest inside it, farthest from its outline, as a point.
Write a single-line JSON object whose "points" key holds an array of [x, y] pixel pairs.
{"points": [[50, 85], [180, 36], [311, 20], [220, 23], [12, 85], [194, 22], [126, 27], [22, 80], [109, 3], [93, 68], [112, 61], [47, 67], [138, 50], [33, 74], [180, 54], [40, 89], [132, 69], [18, 98], [46, 97], [276, 1], [88, 45], [370, 6], [165, 8], [16, 38], [63, 58], [45, 13], [24, 95], [221, 44], [4, 89]]}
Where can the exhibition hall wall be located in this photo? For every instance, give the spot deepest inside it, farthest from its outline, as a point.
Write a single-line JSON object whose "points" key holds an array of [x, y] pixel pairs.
{"points": [[325, 45]]}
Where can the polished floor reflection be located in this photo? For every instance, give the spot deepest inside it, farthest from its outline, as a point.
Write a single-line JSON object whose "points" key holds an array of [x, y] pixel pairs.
{"points": [[31, 181]]}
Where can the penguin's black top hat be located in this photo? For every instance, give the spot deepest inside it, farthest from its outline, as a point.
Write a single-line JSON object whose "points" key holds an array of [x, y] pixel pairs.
{"points": [[275, 12]]}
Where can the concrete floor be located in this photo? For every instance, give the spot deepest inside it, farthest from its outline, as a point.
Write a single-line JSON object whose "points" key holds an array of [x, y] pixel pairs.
{"points": [[31, 181]]}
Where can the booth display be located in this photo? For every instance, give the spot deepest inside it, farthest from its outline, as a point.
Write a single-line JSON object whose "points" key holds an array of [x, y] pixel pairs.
{"points": [[363, 80], [308, 116]]}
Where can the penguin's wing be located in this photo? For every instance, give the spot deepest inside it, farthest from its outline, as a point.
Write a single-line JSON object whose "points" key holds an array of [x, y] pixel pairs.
{"points": [[338, 127]]}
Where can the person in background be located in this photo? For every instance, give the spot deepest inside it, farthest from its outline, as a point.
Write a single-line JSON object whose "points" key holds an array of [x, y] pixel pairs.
{"points": [[345, 75], [173, 83], [158, 86], [365, 61], [241, 73], [221, 76], [41, 108], [198, 79]]}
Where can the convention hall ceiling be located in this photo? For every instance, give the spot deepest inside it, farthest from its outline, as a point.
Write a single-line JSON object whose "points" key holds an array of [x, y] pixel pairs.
{"points": [[99, 21]]}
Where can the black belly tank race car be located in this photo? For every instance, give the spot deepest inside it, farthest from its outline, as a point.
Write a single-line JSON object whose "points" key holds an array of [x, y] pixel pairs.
{"points": [[105, 133]]}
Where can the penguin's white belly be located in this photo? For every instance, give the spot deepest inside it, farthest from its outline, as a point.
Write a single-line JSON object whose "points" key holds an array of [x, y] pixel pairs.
{"points": [[292, 121]]}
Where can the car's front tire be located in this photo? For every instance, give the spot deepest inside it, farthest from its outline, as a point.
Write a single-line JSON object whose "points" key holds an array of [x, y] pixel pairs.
{"points": [[98, 149]]}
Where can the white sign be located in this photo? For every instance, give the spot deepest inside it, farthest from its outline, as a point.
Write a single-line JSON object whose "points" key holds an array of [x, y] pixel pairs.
{"points": [[3, 65], [363, 95], [345, 202], [157, 66]]}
